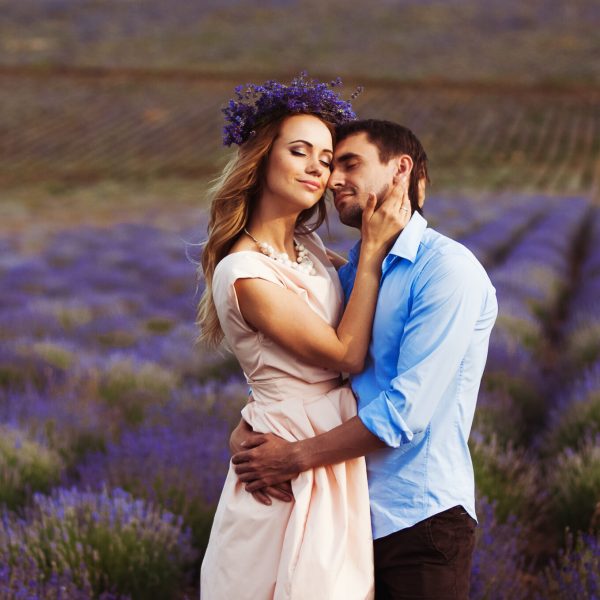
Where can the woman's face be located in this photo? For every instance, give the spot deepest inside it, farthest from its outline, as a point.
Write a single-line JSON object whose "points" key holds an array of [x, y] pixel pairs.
{"points": [[299, 163]]}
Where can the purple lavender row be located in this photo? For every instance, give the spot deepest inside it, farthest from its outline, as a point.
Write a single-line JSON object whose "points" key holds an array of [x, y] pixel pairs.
{"points": [[460, 216], [576, 413], [529, 285], [512, 405], [130, 289], [536, 270], [575, 573], [572, 435], [516, 402], [496, 237], [582, 328]]}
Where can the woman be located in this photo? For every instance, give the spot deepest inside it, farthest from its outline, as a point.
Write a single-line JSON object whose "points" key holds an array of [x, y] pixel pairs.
{"points": [[272, 292]]}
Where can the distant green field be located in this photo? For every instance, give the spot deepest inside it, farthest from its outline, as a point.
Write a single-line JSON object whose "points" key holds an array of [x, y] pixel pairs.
{"points": [[458, 40]]}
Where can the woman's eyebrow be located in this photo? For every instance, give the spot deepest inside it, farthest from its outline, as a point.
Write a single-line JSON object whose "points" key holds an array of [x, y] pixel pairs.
{"points": [[310, 145]]}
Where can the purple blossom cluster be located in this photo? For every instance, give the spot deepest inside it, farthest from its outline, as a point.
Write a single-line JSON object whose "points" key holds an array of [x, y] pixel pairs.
{"points": [[254, 105], [178, 460], [23, 579], [66, 418], [576, 571], [99, 540], [498, 570]]}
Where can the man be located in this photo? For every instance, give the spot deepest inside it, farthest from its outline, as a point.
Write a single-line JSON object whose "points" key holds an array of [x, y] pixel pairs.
{"points": [[417, 394]]}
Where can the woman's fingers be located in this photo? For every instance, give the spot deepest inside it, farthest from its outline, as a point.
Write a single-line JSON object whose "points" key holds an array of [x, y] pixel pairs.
{"points": [[396, 206], [369, 207], [396, 197], [382, 225], [405, 208]]}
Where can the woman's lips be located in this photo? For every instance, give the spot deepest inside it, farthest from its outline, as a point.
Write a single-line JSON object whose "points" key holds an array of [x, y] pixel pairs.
{"points": [[311, 185]]}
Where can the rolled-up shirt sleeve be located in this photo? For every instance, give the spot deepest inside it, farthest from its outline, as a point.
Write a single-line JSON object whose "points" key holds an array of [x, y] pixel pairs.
{"points": [[449, 298]]}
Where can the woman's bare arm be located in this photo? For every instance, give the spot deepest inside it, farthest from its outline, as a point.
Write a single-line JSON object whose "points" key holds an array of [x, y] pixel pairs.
{"points": [[285, 318]]}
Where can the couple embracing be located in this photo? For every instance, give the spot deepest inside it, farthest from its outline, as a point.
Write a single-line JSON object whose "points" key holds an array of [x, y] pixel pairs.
{"points": [[337, 490]]}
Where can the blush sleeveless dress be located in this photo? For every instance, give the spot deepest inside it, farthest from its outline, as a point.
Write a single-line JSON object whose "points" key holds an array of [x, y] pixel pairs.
{"points": [[319, 546]]}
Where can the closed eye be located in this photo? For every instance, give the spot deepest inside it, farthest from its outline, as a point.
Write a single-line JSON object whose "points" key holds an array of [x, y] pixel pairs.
{"points": [[325, 163]]}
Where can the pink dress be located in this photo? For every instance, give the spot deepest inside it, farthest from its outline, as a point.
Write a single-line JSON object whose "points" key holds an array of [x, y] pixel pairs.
{"points": [[319, 546]]}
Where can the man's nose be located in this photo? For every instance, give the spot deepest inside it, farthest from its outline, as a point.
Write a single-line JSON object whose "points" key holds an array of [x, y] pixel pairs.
{"points": [[335, 180]]}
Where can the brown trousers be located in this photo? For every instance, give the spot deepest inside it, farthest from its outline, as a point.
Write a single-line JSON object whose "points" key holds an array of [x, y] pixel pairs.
{"points": [[428, 561]]}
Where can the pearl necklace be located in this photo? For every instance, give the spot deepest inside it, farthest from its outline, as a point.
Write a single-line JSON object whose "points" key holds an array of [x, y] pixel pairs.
{"points": [[302, 263]]}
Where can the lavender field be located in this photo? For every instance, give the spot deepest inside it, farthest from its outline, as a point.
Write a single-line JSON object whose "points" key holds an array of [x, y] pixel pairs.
{"points": [[114, 422]]}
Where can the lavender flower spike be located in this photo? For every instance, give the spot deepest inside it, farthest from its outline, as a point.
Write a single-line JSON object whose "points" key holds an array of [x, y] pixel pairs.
{"points": [[258, 104]]}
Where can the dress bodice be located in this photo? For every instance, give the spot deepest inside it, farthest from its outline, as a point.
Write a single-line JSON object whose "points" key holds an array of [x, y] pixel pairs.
{"points": [[262, 359]]}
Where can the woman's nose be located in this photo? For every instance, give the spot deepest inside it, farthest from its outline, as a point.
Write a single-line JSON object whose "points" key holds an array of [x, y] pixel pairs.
{"points": [[314, 166]]}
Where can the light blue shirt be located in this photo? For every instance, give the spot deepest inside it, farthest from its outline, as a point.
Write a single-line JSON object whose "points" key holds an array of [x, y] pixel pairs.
{"points": [[435, 312]]}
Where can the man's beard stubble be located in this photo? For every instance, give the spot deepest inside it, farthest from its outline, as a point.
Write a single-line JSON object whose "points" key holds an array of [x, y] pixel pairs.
{"points": [[352, 215]]}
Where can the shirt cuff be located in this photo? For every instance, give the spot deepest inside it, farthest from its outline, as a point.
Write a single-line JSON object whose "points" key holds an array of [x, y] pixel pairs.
{"points": [[383, 420]]}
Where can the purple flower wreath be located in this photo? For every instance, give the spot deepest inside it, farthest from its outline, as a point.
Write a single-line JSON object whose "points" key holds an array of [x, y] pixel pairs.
{"points": [[258, 104]]}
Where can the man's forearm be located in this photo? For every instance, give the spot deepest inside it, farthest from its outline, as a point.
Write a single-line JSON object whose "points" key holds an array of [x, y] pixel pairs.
{"points": [[272, 460], [349, 440]]}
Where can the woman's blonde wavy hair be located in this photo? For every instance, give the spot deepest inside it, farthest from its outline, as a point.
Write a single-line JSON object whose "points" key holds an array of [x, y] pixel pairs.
{"points": [[233, 196]]}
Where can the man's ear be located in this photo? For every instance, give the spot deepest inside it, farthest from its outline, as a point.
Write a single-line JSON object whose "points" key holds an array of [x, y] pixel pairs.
{"points": [[403, 166], [422, 186]]}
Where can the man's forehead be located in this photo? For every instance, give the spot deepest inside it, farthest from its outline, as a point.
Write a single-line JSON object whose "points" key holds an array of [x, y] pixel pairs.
{"points": [[356, 144]]}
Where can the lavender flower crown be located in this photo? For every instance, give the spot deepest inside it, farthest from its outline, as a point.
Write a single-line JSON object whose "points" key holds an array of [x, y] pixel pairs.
{"points": [[258, 104]]}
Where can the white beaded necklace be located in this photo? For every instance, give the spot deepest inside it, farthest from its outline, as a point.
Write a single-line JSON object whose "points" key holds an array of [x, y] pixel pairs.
{"points": [[302, 263]]}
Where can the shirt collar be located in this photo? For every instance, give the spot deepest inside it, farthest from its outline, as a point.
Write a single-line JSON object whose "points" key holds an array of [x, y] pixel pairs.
{"points": [[406, 244]]}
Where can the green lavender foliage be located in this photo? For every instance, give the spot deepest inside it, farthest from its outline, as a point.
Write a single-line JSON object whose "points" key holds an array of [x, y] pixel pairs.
{"points": [[110, 541], [26, 466], [506, 475], [575, 485]]}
